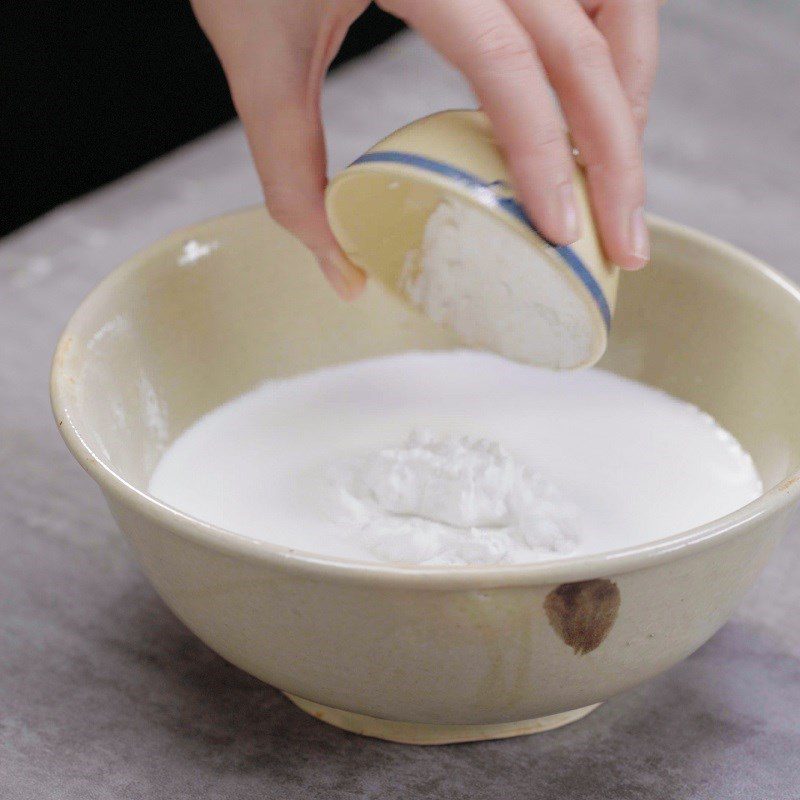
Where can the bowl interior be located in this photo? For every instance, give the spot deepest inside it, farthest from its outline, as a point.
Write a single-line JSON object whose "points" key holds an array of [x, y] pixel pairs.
{"points": [[179, 330]]}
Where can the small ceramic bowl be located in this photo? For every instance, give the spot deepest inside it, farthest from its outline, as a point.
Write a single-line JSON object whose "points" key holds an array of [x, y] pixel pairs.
{"points": [[423, 654], [380, 204]]}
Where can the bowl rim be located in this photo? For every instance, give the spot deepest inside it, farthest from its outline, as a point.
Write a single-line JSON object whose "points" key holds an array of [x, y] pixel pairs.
{"points": [[552, 571]]}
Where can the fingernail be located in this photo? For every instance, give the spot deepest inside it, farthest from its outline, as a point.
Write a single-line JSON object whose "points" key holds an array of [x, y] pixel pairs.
{"points": [[346, 279], [569, 213], [639, 236], [335, 278]]}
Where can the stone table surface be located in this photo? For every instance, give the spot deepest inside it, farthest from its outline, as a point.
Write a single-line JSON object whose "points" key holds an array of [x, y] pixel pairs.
{"points": [[104, 694]]}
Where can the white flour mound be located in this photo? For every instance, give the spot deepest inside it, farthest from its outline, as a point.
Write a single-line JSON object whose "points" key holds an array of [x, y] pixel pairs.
{"points": [[474, 274], [452, 500], [322, 462]]}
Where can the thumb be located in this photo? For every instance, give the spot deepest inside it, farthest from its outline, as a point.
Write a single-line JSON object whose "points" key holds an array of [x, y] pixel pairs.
{"points": [[287, 143]]}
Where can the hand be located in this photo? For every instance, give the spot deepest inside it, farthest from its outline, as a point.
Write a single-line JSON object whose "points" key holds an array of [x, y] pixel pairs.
{"points": [[598, 55]]}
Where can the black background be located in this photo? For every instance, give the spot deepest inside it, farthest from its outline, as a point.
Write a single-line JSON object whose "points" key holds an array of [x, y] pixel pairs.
{"points": [[91, 90]]}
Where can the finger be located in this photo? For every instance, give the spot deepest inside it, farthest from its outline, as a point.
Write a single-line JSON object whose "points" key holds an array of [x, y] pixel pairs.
{"points": [[484, 40], [279, 109], [578, 62], [289, 153], [631, 29]]}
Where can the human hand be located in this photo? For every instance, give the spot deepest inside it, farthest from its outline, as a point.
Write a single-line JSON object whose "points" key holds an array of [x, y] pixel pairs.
{"points": [[598, 55]]}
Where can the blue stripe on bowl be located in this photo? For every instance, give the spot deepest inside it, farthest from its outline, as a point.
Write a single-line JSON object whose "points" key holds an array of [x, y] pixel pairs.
{"points": [[486, 193]]}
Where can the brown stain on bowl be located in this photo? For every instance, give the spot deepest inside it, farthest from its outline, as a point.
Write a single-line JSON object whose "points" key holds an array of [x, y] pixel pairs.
{"points": [[583, 613]]}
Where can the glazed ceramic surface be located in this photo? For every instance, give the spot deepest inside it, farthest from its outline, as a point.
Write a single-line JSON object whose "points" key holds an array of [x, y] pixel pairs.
{"points": [[177, 331], [379, 205]]}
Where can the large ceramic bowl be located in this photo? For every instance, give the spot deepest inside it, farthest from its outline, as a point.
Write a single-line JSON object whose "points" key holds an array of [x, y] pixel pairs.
{"points": [[423, 654]]}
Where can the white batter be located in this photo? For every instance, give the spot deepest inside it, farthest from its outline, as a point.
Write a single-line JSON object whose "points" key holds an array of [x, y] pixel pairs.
{"points": [[453, 458]]}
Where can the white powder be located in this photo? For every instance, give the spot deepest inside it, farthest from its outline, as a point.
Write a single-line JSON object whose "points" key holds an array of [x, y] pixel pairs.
{"points": [[477, 276], [194, 251], [323, 462], [452, 500]]}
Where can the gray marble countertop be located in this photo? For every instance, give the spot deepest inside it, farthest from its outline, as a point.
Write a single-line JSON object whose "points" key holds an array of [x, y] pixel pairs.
{"points": [[104, 694]]}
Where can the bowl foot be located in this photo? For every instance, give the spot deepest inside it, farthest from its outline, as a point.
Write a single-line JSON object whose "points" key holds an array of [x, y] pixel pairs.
{"points": [[421, 733]]}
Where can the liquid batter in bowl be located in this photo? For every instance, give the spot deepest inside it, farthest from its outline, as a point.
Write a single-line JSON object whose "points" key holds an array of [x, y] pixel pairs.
{"points": [[455, 457]]}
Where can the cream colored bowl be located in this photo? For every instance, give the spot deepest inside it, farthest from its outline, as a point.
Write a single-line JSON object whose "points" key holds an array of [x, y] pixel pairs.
{"points": [[423, 654]]}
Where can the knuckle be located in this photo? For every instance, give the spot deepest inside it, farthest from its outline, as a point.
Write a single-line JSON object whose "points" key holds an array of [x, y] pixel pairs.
{"points": [[251, 95], [587, 50], [617, 154], [623, 170], [543, 164], [547, 138], [500, 49], [283, 207]]}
